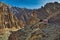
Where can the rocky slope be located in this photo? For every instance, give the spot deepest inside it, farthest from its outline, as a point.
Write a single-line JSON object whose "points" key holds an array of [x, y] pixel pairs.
{"points": [[28, 24], [39, 31], [7, 19]]}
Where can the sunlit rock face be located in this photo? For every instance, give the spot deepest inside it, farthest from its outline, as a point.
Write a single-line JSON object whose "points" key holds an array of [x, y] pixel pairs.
{"points": [[7, 19], [13, 20]]}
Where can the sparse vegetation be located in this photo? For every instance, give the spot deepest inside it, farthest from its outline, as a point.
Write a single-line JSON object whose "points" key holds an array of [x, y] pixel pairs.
{"points": [[5, 35]]}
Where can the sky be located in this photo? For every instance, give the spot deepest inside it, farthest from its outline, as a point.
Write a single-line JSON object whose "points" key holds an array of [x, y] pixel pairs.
{"points": [[30, 4]]}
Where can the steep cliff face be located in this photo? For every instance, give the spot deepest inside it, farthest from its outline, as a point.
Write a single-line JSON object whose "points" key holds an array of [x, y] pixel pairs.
{"points": [[8, 19]]}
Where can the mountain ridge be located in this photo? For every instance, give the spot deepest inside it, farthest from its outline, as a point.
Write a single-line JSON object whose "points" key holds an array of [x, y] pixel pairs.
{"points": [[41, 13]]}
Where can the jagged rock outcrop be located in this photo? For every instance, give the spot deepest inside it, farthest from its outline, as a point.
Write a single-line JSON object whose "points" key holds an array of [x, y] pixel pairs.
{"points": [[8, 19]]}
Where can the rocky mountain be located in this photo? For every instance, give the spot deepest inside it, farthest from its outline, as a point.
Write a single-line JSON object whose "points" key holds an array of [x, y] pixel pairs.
{"points": [[7, 19], [30, 24], [41, 13], [39, 31]]}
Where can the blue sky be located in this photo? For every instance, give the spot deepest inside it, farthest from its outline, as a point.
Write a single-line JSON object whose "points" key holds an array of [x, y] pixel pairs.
{"points": [[30, 4]]}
